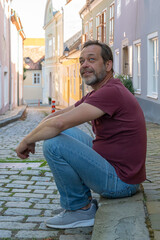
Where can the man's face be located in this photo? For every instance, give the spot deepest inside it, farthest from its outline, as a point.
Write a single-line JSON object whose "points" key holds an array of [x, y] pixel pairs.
{"points": [[92, 67]]}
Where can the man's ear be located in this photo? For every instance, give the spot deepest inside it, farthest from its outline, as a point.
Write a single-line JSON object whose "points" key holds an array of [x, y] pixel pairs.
{"points": [[109, 65]]}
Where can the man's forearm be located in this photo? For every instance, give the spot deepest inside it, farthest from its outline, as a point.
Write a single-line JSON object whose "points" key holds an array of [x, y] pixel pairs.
{"points": [[45, 130], [59, 112]]}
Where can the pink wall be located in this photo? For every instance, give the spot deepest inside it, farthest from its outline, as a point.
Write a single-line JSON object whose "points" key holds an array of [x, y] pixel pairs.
{"points": [[4, 59]]}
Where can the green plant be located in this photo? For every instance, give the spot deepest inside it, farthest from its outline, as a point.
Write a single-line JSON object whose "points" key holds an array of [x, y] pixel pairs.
{"points": [[24, 71], [126, 81], [49, 100]]}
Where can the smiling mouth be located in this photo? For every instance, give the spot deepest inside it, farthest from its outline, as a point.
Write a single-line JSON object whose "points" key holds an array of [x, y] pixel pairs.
{"points": [[86, 73]]}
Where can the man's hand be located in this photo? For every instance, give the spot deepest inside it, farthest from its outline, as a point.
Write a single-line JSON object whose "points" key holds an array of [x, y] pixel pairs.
{"points": [[23, 150]]}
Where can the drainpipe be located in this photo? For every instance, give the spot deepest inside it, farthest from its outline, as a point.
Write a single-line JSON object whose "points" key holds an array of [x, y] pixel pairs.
{"points": [[10, 66], [18, 68], [82, 87]]}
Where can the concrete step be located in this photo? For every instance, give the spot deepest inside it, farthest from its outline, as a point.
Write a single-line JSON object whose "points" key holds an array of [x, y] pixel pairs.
{"points": [[121, 219]]}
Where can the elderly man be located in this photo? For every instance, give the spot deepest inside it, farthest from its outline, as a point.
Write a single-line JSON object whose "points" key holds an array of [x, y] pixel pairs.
{"points": [[112, 164]]}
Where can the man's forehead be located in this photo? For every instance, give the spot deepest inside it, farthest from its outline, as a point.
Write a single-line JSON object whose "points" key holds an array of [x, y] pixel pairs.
{"points": [[91, 50]]}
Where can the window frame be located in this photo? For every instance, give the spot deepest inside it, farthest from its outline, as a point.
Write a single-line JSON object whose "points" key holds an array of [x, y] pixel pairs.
{"points": [[137, 66], [150, 62], [101, 26], [111, 23], [33, 78]]}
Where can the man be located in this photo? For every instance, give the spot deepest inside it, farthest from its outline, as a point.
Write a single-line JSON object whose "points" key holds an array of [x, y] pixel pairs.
{"points": [[113, 164]]}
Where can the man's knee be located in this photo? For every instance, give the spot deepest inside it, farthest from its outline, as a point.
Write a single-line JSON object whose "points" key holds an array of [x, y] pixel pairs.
{"points": [[50, 145], [46, 146]]}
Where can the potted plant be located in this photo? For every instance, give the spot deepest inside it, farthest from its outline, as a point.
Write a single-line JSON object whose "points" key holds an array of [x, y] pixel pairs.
{"points": [[49, 100], [127, 82]]}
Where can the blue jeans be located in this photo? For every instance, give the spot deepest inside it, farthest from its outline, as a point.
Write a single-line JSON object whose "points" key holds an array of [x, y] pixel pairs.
{"points": [[77, 169]]}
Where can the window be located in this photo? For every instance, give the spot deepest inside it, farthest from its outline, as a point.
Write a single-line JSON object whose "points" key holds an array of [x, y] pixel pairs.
{"points": [[50, 48], [127, 2], [86, 31], [153, 65], [130, 61], [137, 66], [27, 59], [91, 29], [116, 62], [101, 26], [118, 8], [111, 23], [36, 78], [54, 46]]}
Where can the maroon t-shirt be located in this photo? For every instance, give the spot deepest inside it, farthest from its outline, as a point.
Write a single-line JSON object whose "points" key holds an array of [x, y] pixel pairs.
{"points": [[121, 131]]}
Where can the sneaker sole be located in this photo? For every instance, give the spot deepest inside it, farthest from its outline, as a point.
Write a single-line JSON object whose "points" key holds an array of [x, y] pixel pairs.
{"points": [[84, 223]]}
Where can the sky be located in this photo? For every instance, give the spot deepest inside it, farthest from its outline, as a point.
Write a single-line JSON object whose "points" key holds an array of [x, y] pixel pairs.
{"points": [[31, 13]]}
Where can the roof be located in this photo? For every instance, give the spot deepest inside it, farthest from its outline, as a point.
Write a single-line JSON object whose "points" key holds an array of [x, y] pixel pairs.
{"points": [[33, 55]]}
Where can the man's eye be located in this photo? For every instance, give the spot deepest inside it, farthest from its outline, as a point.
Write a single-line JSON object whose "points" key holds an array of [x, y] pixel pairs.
{"points": [[81, 62], [91, 59]]}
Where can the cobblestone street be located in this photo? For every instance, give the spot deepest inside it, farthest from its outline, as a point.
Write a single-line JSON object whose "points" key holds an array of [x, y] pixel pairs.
{"points": [[28, 195], [152, 187]]}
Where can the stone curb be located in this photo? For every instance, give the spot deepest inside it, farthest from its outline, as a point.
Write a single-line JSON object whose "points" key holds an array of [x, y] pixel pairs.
{"points": [[121, 219], [13, 118]]}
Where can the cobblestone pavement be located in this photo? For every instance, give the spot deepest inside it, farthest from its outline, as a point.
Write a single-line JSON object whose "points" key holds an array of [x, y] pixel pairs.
{"points": [[152, 188], [28, 194]]}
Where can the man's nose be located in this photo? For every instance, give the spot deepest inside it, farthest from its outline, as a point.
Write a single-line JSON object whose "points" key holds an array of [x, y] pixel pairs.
{"points": [[85, 64]]}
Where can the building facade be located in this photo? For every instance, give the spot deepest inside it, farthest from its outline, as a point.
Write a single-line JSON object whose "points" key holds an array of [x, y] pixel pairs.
{"points": [[97, 24], [11, 58], [34, 50], [136, 51], [60, 27], [53, 26]]}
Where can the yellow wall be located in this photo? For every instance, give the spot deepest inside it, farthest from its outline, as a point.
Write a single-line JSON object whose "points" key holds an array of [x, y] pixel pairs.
{"points": [[71, 81], [34, 42]]}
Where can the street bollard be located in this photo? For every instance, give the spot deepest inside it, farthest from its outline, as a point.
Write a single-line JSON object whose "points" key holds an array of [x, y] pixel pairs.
{"points": [[53, 105]]}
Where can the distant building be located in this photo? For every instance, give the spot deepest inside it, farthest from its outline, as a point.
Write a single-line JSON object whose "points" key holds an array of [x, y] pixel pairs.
{"points": [[34, 51], [61, 24], [53, 50]]}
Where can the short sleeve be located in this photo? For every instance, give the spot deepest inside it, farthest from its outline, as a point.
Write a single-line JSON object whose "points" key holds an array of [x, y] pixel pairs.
{"points": [[106, 98], [82, 100]]}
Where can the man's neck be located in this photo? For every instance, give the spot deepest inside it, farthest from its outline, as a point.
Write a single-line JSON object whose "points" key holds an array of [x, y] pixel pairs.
{"points": [[104, 81]]}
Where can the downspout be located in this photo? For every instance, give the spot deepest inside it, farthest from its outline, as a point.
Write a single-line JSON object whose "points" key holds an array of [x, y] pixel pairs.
{"points": [[81, 40], [10, 66], [18, 67]]}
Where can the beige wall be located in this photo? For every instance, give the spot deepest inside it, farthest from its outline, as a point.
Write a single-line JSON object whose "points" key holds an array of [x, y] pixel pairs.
{"points": [[32, 92]]}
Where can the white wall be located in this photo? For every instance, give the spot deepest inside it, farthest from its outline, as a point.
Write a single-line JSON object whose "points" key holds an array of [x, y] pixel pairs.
{"points": [[72, 20]]}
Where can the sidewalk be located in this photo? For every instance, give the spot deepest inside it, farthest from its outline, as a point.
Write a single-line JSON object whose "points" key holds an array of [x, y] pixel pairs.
{"points": [[135, 218], [11, 116]]}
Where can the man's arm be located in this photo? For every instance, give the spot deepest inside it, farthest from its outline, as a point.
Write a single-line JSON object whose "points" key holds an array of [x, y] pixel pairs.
{"points": [[55, 125], [59, 112]]}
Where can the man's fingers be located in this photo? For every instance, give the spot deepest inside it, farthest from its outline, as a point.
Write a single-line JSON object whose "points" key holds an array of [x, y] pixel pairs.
{"points": [[22, 156]]}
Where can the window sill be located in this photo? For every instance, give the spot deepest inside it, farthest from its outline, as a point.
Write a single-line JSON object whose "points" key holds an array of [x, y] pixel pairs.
{"points": [[138, 92], [153, 97]]}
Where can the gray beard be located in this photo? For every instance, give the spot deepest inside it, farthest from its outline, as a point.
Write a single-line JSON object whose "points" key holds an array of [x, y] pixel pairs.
{"points": [[94, 79]]}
